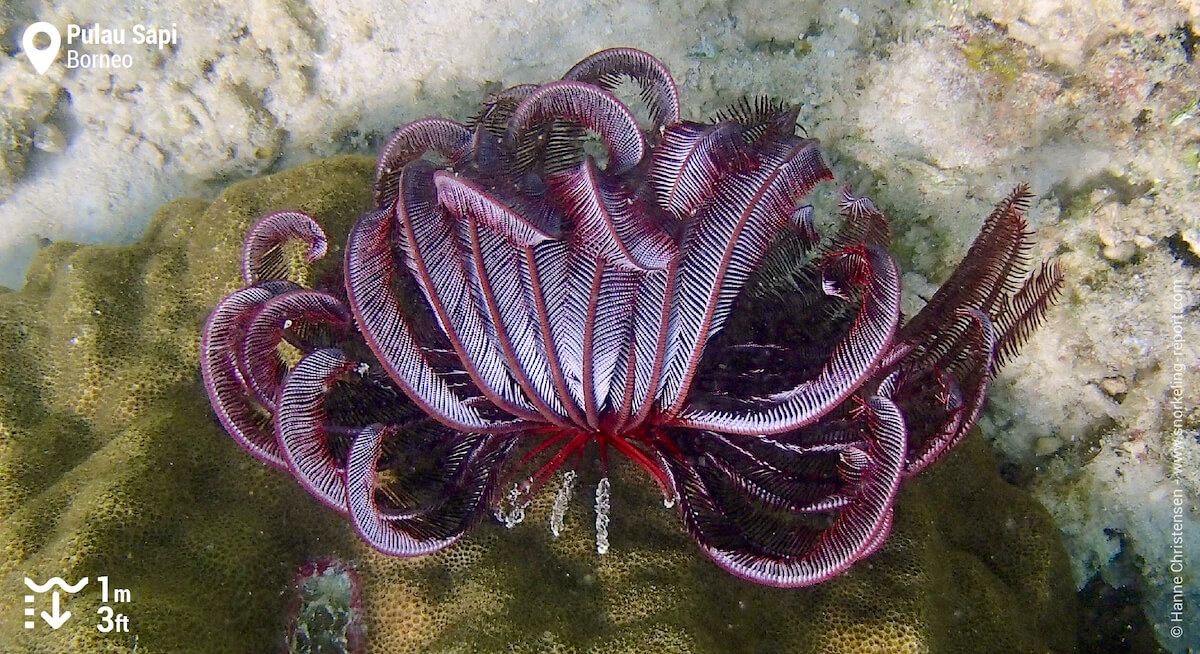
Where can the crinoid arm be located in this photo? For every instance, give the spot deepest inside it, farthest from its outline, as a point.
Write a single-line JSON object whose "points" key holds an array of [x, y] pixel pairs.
{"points": [[851, 360], [445, 138], [977, 320], [795, 509], [262, 254], [607, 67], [415, 515]]}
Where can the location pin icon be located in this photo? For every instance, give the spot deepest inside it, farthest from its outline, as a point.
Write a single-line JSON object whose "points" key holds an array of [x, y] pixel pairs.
{"points": [[44, 57]]}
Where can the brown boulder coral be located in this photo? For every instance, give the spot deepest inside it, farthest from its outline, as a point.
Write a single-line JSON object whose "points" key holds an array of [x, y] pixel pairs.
{"points": [[110, 463]]}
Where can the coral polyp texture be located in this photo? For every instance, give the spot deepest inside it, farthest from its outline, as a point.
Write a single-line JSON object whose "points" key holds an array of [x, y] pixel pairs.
{"points": [[555, 281]]}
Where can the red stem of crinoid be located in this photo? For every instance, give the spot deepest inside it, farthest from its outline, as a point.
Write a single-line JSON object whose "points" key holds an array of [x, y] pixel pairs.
{"points": [[639, 457], [538, 479], [575, 445]]}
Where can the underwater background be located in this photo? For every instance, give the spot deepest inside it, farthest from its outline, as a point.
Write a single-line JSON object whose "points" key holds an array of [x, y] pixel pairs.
{"points": [[1068, 522]]}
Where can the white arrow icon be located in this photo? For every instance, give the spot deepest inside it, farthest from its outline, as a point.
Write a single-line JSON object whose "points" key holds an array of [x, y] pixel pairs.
{"points": [[53, 618], [41, 58]]}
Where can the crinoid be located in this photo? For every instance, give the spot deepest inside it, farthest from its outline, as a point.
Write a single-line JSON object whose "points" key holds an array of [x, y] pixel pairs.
{"points": [[554, 277]]}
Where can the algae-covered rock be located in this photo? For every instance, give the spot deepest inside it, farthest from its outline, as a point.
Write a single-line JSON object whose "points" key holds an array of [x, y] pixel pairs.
{"points": [[112, 464]]}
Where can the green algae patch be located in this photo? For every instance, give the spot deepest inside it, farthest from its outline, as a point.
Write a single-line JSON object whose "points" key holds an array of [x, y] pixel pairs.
{"points": [[112, 464], [990, 53]]}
